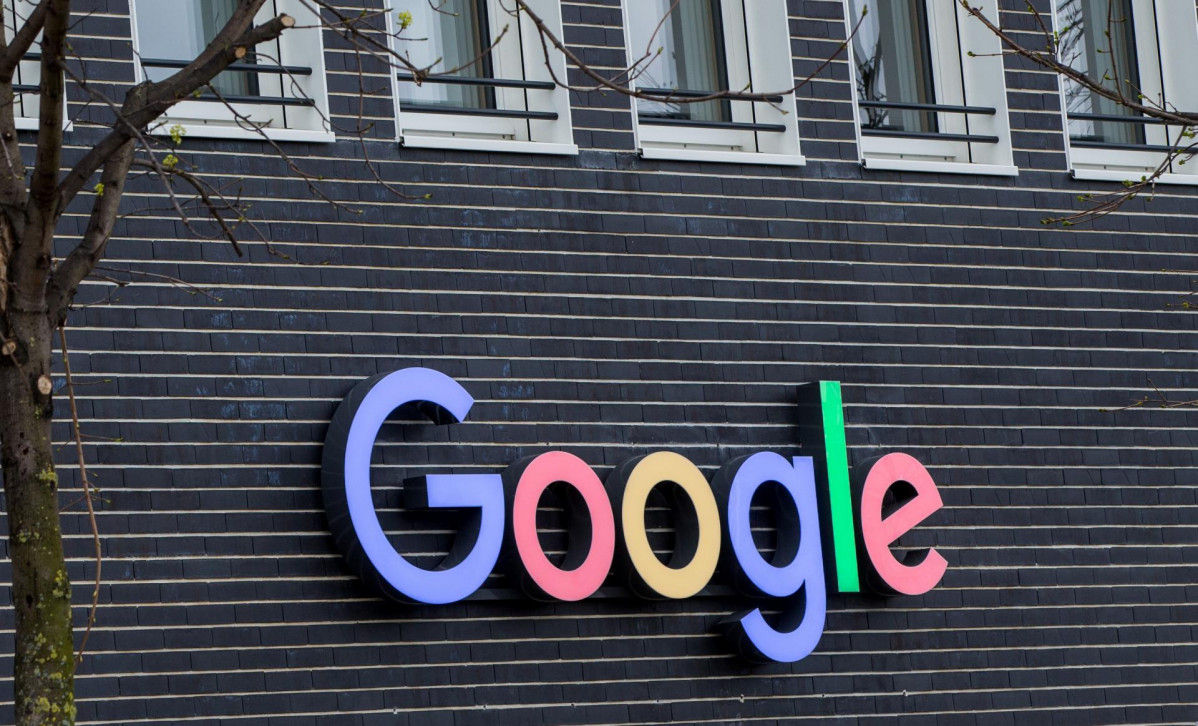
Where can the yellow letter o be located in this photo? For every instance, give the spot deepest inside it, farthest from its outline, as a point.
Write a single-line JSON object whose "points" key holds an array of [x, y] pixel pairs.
{"points": [[674, 581]]}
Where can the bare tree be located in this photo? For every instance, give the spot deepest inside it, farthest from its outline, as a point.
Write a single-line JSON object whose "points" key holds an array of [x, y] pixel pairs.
{"points": [[36, 293], [38, 289]]}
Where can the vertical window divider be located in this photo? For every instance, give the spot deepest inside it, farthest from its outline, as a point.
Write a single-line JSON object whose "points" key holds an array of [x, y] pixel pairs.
{"points": [[485, 65], [523, 72], [964, 92], [285, 79], [749, 66], [1160, 63]]}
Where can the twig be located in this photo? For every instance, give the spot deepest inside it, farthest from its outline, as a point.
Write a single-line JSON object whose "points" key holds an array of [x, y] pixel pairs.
{"points": [[87, 494], [174, 280], [549, 38], [1161, 400], [1052, 60], [205, 193]]}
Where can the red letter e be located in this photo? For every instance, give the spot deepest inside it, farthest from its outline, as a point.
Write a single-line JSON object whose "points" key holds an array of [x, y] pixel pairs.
{"points": [[919, 571]]}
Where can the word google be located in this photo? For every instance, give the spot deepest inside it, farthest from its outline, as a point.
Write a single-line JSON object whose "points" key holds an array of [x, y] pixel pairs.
{"points": [[607, 527]]}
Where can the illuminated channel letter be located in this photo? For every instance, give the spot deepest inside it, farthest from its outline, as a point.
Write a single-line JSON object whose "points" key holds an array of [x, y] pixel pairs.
{"points": [[697, 527], [345, 483], [797, 562], [592, 537], [919, 571], [821, 435]]}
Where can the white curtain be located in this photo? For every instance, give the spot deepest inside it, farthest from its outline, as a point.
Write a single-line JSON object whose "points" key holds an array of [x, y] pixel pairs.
{"points": [[692, 58], [448, 35], [1086, 47], [179, 30], [893, 58]]}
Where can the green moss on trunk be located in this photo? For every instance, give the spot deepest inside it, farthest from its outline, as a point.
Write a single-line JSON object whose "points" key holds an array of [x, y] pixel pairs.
{"points": [[45, 663]]}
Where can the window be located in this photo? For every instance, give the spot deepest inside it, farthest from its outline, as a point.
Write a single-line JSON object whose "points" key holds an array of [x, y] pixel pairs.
{"points": [[930, 90], [1143, 48], [698, 48], [488, 88], [279, 87], [28, 75]]}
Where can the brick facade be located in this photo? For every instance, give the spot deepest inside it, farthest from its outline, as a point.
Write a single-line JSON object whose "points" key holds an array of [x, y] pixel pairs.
{"points": [[611, 306]]}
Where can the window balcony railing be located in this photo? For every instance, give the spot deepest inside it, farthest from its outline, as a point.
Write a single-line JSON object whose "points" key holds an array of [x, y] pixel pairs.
{"points": [[28, 87], [934, 107], [245, 68], [518, 84], [1095, 143], [668, 94]]}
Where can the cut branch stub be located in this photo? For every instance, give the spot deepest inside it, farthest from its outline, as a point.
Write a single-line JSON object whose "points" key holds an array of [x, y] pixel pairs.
{"points": [[12, 352], [44, 385]]}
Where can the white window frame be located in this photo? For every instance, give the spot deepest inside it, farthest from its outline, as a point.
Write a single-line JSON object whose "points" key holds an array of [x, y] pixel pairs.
{"points": [[29, 72], [1167, 54], [967, 70], [518, 56], [301, 45], [758, 54]]}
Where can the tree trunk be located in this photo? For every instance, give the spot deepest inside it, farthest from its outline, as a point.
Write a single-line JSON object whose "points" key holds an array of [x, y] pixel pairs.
{"points": [[41, 591]]}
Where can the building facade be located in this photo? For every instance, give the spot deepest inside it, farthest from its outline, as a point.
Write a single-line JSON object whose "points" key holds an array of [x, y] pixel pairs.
{"points": [[613, 277]]}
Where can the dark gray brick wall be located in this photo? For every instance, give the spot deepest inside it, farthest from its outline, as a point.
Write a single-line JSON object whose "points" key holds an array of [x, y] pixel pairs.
{"points": [[612, 306]]}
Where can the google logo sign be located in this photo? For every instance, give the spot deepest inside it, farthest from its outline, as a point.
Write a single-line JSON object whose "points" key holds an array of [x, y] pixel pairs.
{"points": [[825, 522]]}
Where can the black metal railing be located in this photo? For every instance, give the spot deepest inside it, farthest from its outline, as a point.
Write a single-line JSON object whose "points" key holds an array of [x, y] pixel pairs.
{"points": [[692, 123], [28, 87], [668, 94], [1094, 144], [1115, 117], [933, 107], [946, 108], [484, 112], [1097, 143], [244, 68], [896, 134], [477, 82], [258, 100], [484, 82]]}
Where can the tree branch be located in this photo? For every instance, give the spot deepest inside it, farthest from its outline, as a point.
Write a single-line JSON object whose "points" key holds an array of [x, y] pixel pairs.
{"points": [[31, 251], [13, 193], [87, 495], [51, 100], [1054, 64], [79, 263], [149, 101], [212, 199], [1052, 60], [549, 38], [22, 41]]}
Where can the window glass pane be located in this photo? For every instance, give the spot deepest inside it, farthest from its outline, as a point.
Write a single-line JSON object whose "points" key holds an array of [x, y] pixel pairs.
{"points": [[692, 57], [450, 36], [1103, 46], [894, 64], [27, 72], [180, 30]]}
